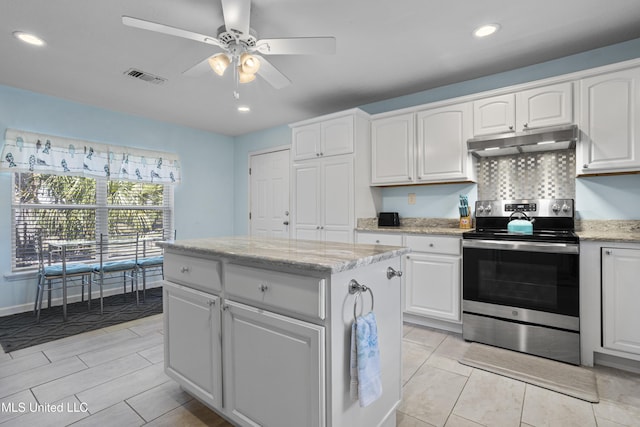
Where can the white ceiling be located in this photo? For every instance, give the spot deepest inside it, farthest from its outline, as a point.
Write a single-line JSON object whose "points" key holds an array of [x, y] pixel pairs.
{"points": [[385, 49]]}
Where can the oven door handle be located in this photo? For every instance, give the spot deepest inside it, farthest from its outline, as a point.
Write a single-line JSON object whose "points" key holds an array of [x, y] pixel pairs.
{"points": [[556, 248]]}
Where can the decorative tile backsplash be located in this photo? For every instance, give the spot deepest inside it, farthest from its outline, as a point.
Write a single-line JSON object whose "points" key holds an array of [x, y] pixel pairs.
{"points": [[542, 175]]}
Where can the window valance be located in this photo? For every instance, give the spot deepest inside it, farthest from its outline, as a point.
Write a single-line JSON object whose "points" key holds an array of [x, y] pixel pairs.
{"points": [[32, 152]]}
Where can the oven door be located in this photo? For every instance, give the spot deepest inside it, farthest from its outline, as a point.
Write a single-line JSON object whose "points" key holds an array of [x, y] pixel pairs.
{"points": [[538, 276]]}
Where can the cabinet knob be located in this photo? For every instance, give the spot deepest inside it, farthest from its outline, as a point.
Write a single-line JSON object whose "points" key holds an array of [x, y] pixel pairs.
{"points": [[317, 154], [607, 252], [184, 269], [585, 166], [286, 223], [526, 125], [510, 127], [391, 273], [263, 287], [430, 245], [410, 179], [377, 241], [321, 154], [212, 303], [317, 227]]}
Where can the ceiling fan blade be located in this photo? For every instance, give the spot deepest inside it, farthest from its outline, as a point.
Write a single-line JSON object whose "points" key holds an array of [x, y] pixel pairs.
{"points": [[298, 46], [236, 15], [166, 29], [271, 74]]}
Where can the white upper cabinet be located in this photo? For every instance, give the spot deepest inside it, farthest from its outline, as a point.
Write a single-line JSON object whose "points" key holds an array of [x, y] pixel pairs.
{"points": [[533, 108], [442, 144], [609, 123], [328, 138], [392, 150], [428, 146], [544, 106], [494, 115]]}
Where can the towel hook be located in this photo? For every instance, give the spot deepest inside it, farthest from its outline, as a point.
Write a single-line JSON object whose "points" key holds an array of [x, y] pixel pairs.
{"points": [[357, 289]]}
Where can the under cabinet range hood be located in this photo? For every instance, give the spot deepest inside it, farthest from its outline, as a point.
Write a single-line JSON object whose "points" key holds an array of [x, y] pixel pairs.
{"points": [[528, 141]]}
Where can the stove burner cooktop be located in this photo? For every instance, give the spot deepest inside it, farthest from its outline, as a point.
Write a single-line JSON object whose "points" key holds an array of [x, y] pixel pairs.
{"points": [[553, 220], [559, 236]]}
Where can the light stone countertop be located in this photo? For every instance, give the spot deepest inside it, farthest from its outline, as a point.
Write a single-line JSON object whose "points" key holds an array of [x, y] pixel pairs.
{"points": [[442, 226], [276, 254], [627, 231]]}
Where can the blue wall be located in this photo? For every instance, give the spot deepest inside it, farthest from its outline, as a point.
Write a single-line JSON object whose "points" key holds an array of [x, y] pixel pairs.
{"points": [[616, 197], [203, 202], [213, 198]]}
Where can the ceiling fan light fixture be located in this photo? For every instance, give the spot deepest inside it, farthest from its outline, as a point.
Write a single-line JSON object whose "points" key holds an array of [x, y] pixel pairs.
{"points": [[245, 77], [219, 62], [249, 63]]}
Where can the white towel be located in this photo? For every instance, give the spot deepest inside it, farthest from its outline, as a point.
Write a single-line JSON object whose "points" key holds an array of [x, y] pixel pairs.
{"points": [[366, 381]]}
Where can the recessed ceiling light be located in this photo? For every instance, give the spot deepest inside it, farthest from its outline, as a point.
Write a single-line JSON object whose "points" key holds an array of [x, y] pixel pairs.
{"points": [[28, 38], [244, 109], [486, 30]]}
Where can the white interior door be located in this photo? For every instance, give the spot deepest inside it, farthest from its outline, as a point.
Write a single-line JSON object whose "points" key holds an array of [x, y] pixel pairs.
{"points": [[269, 198]]}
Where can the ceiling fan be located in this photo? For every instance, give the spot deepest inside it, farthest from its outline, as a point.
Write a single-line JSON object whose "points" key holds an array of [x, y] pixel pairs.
{"points": [[240, 46]]}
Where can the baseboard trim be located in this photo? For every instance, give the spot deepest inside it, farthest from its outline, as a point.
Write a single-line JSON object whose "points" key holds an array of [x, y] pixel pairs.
{"points": [[21, 308]]}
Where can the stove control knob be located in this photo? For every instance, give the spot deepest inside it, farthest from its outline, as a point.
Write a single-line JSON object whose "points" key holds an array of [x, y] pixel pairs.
{"points": [[565, 208], [480, 208], [555, 208], [488, 208]]}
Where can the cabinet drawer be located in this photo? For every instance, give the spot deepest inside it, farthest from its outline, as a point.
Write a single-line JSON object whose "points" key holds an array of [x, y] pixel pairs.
{"points": [[279, 291], [434, 244], [380, 239], [198, 273]]}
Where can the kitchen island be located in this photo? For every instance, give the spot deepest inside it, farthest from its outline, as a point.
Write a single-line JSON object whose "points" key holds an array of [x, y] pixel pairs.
{"points": [[259, 329]]}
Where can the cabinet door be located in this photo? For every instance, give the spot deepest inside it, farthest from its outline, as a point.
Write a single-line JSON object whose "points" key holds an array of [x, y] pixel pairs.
{"points": [[432, 286], [306, 200], [259, 347], [192, 351], [392, 150], [337, 202], [442, 143], [544, 106], [494, 115], [337, 136], [620, 298], [610, 123], [306, 141]]}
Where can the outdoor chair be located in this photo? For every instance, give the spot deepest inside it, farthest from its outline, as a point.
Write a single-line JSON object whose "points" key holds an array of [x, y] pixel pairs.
{"points": [[62, 265], [117, 255], [151, 258]]}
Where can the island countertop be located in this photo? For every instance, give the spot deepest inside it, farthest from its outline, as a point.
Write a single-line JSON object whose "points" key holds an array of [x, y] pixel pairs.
{"points": [[327, 257]]}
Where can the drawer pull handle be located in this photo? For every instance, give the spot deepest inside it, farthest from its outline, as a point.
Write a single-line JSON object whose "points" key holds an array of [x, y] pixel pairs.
{"points": [[184, 269], [391, 273], [263, 287]]}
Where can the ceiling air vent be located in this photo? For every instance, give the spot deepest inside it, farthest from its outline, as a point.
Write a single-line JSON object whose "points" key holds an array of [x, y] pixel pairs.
{"points": [[137, 74]]}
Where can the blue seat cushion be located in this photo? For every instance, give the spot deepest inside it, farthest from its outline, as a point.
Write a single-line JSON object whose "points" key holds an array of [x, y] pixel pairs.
{"points": [[152, 261], [127, 264], [56, 270]]}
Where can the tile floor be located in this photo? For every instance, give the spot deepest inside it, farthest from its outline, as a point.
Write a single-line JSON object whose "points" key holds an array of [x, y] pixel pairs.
{"points": [[114, 377]]}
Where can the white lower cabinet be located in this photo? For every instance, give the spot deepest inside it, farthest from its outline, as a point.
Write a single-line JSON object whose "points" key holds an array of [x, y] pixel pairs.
{"points": [[620, 297], [192, 341], [274, 374], [432, 286]]}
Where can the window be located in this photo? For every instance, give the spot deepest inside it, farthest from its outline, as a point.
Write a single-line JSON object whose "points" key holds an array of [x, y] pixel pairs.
{"points": [[62, 207]]}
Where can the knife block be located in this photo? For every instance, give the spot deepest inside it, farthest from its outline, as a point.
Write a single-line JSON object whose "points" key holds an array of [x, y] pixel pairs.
{"points": [[465, 222]]}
